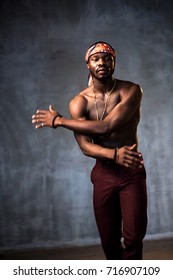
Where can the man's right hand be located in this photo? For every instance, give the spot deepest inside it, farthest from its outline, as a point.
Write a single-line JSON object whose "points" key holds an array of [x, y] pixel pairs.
{"points": [[128, 156], [43, 118]]}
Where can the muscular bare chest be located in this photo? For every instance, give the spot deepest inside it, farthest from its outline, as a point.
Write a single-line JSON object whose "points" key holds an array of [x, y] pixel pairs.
{"points": [[98, 107], [120, 137]]}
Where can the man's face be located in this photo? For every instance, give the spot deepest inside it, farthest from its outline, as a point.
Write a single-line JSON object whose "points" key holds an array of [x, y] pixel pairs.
{"points": [[101, 65]]}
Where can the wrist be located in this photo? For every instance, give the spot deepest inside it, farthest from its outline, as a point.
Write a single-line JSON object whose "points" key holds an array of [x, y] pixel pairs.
{"points": [[55, 122], [115, 158]]}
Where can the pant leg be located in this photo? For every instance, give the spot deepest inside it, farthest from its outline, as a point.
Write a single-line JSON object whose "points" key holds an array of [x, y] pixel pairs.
{"points": [[107, 209], [133, 197]]}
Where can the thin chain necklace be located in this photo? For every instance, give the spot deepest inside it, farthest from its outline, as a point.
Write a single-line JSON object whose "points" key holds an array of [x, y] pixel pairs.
{"points": [[105, 103]]}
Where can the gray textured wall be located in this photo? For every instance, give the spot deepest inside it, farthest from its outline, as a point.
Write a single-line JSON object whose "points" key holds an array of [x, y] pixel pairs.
{"points": [[45, 189]]}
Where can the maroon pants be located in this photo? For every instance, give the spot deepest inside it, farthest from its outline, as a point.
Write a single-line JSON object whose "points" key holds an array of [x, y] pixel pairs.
{"points": [[120, 206]]}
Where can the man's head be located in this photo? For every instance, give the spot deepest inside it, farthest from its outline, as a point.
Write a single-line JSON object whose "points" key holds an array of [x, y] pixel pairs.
{"points": [[100, 59], [100, 47]]}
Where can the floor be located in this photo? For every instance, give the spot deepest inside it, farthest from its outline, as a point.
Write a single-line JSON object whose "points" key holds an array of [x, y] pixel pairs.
{"points": [[153, 250]]}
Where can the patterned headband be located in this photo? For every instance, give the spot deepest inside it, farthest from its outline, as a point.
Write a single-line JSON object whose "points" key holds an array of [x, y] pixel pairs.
{"points": [[99, 48]]}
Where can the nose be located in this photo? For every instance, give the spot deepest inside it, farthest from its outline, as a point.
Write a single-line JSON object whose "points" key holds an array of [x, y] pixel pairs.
{"points": [[101, 61]]}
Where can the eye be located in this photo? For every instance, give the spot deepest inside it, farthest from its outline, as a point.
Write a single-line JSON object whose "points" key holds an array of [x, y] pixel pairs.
{"points": [[94, 58], [108, 58]]}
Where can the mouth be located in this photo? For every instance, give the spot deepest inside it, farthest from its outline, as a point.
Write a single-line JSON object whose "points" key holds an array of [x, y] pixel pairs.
{"points": [[103, 70]]}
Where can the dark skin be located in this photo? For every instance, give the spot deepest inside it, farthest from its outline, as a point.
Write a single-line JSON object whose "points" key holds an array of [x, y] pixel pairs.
{"points": [[118, 129]]}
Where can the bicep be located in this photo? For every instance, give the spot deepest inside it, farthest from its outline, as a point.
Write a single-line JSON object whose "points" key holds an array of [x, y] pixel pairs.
{"points": [[124, 110], [77, 109], [83, 141]]}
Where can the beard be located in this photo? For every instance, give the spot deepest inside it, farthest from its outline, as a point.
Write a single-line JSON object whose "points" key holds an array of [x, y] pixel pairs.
{"points": [[107, 75]]}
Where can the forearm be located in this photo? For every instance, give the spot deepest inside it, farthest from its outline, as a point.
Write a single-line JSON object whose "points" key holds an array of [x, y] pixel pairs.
{"points": [[126, 156], [116, 118], [84, 126], [120, 115], [97, 152]]}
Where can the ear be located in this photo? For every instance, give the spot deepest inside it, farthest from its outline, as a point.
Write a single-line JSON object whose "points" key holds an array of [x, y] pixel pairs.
{"points": [[114, 63]]}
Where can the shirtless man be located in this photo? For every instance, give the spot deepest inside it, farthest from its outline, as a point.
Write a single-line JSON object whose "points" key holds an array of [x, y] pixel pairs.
{"points": [[105, 119]]}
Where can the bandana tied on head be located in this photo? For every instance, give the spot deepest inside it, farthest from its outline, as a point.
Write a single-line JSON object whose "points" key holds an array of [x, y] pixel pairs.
{"points": [[100, 47]]}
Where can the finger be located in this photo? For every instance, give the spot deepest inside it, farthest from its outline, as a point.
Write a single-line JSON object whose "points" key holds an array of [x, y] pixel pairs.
{"points": [[131, 150], [36, 116], [39, 126], [131, 161], [129, 166], [134, 154], [132, 166], [41, 112], [136, 159], [132, 157], [133, 147], [137, 162], [51, 109], [38, 119]]}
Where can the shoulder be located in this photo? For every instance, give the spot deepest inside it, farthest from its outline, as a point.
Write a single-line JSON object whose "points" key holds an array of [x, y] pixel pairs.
{"points": [[80, 99], [78, 105], [129, 89]]}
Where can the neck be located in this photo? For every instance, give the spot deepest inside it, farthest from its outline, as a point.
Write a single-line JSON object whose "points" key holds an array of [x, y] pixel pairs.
{"points": [[103, 86]]}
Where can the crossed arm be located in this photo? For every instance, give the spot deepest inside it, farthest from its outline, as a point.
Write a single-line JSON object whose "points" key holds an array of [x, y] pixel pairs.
{"points": [[84, 129], [127, 155], [121, 114]]}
